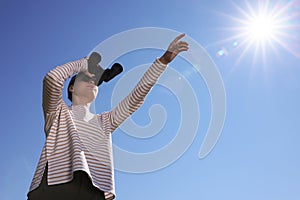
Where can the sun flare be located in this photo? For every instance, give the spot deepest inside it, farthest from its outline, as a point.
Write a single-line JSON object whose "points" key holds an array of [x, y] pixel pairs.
{"points": [[261, 28], [261, 25], [264, 27]]}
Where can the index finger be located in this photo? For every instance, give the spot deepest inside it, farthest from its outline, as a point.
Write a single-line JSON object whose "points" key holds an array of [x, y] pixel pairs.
{"points": [[179, 37]]}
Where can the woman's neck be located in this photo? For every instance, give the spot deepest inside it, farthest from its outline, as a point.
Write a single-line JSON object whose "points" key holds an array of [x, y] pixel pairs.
{"points": [[80, 101]]}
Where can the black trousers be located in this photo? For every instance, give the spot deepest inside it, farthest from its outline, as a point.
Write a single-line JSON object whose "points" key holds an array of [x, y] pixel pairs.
{"points": [[80, 188]]}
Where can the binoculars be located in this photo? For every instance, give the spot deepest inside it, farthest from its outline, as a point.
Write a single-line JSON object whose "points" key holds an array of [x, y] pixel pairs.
{"points": [[101, 74]]}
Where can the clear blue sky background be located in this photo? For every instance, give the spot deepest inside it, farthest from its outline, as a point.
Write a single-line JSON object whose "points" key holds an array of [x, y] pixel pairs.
{"points": [[257, 156]]}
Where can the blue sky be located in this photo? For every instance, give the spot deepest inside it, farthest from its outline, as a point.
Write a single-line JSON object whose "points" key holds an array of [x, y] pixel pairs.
{"points": [[257, 155]]}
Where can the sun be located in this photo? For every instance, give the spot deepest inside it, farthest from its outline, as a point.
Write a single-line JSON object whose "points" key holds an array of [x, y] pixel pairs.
{"points": [[265, 26], [262, 25], [261, 28]]}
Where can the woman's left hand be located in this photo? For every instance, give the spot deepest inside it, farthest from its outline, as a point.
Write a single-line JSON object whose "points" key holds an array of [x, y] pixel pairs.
{"points": [[175, 47]]}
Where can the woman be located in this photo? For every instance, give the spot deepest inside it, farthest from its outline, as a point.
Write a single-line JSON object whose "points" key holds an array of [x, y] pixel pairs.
{"points": [[76, 161]]}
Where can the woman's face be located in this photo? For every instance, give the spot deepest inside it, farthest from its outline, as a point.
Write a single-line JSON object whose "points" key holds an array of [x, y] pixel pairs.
{"points": [[84, 88]]}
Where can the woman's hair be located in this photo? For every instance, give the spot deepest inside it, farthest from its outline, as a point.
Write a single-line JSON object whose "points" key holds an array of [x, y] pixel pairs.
{"points": [[71, 83]]}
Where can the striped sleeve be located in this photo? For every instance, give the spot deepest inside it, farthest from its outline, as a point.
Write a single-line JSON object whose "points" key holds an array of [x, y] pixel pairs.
{"points": [[53, 84], [137, 96]]}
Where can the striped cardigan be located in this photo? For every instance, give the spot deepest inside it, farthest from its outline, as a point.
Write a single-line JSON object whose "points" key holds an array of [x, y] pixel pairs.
{"points": [[63, 150]]}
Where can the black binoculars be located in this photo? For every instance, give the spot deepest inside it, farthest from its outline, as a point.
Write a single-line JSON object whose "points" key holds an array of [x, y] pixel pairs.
{"points": [[101, 74]]}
